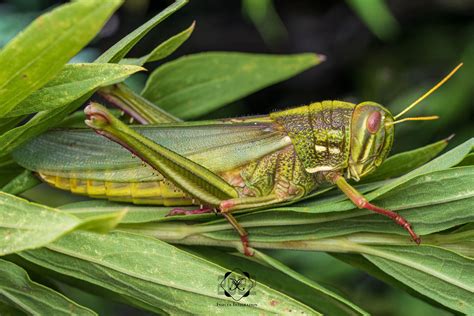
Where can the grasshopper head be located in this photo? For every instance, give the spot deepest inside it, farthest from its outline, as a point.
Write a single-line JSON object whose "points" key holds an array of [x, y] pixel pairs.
{"points": [[371, 138], [372, 132]]}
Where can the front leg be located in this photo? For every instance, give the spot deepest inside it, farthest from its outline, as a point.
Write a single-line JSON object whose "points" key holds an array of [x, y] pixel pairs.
{"points": [[361, 202]]}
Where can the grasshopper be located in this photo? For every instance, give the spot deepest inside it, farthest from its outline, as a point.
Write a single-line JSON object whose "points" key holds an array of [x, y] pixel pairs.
{"points": [[222, 165]]}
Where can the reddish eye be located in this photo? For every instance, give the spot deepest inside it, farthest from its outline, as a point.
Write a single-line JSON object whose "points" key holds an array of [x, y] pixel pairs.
{"points": [[373, 122]]}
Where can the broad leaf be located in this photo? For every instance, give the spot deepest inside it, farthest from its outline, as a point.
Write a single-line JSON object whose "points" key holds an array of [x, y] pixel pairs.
{"points": [[17, 290], [38, 53], [194, 85]]}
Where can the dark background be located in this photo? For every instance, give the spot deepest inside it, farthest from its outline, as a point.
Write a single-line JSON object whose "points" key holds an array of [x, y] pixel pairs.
{"points": [[391, 63]]}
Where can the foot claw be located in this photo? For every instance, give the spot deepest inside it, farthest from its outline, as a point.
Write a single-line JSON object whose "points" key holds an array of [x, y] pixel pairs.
{"points": [[417, 240]]}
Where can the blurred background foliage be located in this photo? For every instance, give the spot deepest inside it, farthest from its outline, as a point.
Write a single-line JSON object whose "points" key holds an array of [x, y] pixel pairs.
{"points": [[389, 52]]}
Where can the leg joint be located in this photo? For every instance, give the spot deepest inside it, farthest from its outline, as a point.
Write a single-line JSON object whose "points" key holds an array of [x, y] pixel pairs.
{"points": [[360, 202]]}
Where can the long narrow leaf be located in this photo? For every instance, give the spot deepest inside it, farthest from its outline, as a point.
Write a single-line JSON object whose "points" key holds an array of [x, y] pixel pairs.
{"points": [[17, 290], [163, 50], [120, 49]]}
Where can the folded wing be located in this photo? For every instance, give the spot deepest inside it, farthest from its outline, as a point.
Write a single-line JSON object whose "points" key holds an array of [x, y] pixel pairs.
{"points": [[83, 154]]}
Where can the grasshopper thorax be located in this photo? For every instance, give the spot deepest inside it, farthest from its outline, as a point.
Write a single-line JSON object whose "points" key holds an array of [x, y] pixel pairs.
{"points": [[371, 138]]}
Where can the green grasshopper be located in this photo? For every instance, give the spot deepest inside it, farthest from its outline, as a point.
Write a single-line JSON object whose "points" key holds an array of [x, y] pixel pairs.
{"points": [[223, 165]]}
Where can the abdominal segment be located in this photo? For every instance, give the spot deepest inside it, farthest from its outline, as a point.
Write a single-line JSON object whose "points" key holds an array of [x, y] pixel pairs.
{"points": [[160, 192]]}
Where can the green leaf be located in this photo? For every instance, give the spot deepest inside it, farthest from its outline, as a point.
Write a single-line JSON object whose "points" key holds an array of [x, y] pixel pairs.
{"points": [[361, 263], [153, 275], [194, 85], [24, 181], [460, 241], [71, 83], [38, 53], [18, 291], [120, 49], [442, 275], [163, 50], [25, 225], [135, 214], [402, 163]]}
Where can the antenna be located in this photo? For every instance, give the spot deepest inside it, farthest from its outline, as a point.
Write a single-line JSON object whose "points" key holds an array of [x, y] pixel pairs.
{"points": [[424, 96], [420, 118]]}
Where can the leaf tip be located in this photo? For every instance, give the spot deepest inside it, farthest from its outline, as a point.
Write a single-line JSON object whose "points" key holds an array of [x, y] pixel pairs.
{"points": [[447, 139], [321, 58]]}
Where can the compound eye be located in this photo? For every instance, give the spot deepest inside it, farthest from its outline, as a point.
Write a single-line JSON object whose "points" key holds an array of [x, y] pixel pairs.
{"points": [[373, 122]]}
